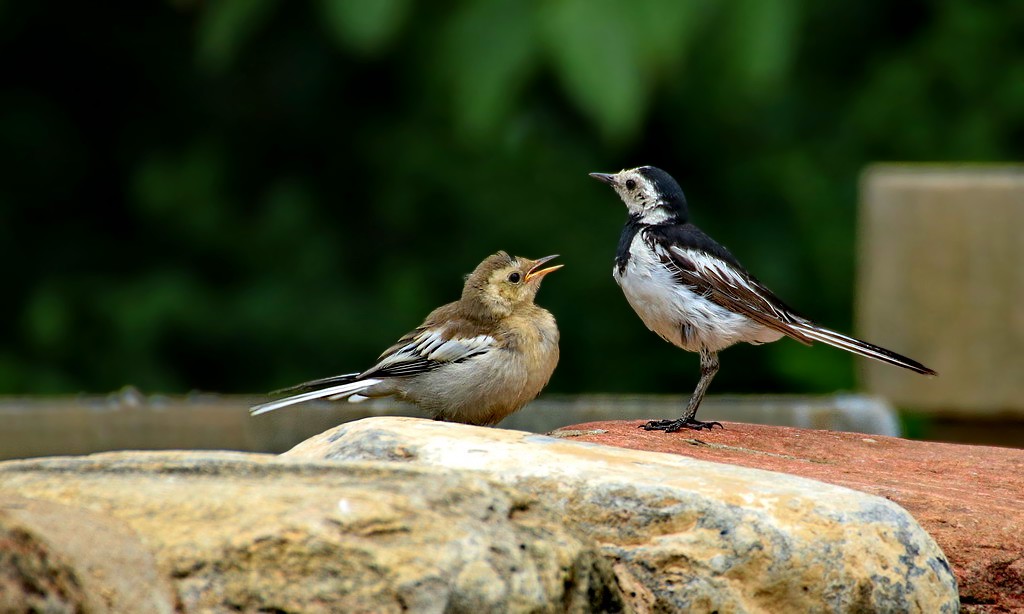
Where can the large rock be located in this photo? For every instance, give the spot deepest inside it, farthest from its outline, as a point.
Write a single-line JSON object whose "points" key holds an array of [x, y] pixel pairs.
{"points": [[688, 535], [970, 499], [245, 532], [55, 558]]}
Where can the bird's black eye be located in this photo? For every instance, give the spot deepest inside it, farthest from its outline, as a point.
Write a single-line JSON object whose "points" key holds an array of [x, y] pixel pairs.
{"points": [[630, 185], [514, 277]]}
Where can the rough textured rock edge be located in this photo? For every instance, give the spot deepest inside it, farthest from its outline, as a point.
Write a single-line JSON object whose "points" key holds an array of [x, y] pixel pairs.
{"points": [[969, 498], [258, 533], [648, 509]]}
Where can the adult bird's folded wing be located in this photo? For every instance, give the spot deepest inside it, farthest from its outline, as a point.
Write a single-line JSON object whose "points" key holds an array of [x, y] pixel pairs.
{"points": [[728, 285], [738, 291]]}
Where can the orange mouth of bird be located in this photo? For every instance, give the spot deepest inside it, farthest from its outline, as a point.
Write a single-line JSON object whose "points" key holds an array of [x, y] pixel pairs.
{"points": [[534, 273]]}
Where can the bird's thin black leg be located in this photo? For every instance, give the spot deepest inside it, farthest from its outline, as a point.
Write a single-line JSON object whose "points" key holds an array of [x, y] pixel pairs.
{"points": [[708, 368]]}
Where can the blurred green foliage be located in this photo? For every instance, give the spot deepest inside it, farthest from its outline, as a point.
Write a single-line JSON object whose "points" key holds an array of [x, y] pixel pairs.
{"points": [[237, 195]]}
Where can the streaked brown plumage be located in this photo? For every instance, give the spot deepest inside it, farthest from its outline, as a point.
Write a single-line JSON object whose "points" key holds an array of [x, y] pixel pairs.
{"points": [[476, 360]]}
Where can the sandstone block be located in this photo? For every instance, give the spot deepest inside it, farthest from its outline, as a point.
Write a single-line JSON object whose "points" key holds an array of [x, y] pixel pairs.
{"points": [[689, 535], [941, 259]]}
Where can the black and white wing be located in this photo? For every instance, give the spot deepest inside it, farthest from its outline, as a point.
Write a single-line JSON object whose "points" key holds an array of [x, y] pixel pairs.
{"points": [[426, 349], [707, 268], [710, 270]]}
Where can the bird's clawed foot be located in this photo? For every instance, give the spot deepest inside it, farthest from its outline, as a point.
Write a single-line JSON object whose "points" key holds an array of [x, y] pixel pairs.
{"points": [[671, 426]]}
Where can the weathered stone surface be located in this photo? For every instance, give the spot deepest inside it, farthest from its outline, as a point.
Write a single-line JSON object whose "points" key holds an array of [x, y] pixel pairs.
{"points": [[55, 558], [687, 535], [940, 253], [969, 498], [246, 532]]}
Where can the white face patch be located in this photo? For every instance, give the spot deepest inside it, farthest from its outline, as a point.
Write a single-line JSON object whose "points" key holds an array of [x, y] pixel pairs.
{"points": [[640, 197]]}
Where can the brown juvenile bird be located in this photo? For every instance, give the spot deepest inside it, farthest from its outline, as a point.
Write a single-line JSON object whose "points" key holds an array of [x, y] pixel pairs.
{"points": [[476, 360]]}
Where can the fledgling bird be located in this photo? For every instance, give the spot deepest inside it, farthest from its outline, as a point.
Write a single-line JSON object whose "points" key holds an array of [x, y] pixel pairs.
{"points": [[694, 294], [476, 360]]}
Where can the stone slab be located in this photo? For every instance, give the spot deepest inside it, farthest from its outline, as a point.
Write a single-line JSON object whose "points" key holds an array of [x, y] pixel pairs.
{"points": [[969, 498], [129, 420]]}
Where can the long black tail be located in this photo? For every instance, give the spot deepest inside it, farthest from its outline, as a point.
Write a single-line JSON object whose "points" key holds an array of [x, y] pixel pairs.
{"points": [[863, 348]]}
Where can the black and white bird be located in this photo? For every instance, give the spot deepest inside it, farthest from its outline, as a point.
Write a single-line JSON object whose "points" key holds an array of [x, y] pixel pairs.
{"points": [[694, 294], [475, 360]]}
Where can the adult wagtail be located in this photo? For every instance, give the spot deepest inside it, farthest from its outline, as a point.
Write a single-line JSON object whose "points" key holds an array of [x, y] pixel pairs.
{"points": [[475, 361], [694, 294]]}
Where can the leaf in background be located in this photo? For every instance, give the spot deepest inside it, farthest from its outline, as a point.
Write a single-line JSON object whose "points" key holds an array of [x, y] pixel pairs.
{"points": [[666, 28], [48, 318], [597, 57], [763, 41], [366, 27], [224, 28], [490, 50], [185, 191]]}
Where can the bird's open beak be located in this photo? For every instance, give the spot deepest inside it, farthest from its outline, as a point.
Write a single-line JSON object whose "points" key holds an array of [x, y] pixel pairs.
{"points": [[604, 178], [533, 273]]}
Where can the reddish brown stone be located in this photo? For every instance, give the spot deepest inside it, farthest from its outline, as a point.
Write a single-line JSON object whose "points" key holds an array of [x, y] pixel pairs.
{"points": [[969, 498]]}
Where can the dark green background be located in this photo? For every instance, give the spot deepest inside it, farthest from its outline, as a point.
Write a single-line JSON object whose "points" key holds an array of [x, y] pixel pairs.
{"points": [[238, 195]]}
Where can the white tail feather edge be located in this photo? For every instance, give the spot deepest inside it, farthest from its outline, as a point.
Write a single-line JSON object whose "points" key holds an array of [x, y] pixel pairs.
{"points": [[862, 348], [334, 392]]}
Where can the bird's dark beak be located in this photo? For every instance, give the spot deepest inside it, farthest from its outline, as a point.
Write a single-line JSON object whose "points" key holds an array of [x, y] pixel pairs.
{"points": [[533, 273], [604, 178]]}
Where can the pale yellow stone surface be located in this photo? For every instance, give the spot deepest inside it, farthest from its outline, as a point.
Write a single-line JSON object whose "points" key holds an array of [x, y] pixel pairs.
{"points": [[57, 558], [247, 532]]}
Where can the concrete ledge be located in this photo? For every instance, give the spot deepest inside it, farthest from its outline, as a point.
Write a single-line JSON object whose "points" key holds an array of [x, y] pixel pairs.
{"points": [[129, 420]]}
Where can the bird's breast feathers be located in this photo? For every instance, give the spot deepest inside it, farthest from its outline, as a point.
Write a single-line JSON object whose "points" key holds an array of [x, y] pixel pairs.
{"points": [[683, 314]]}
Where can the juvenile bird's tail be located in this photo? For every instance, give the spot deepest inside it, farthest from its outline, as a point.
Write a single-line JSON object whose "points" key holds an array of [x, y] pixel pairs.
{"points": [[349, 389], [863, 348]]}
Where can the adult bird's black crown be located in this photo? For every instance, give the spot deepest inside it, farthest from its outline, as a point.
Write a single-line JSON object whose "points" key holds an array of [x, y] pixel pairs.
{"points": [[694, 294], [668, 189]]}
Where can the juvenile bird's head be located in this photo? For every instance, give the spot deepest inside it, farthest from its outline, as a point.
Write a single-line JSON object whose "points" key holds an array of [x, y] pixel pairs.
{"points": [[651, 195], [501, 283]]}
